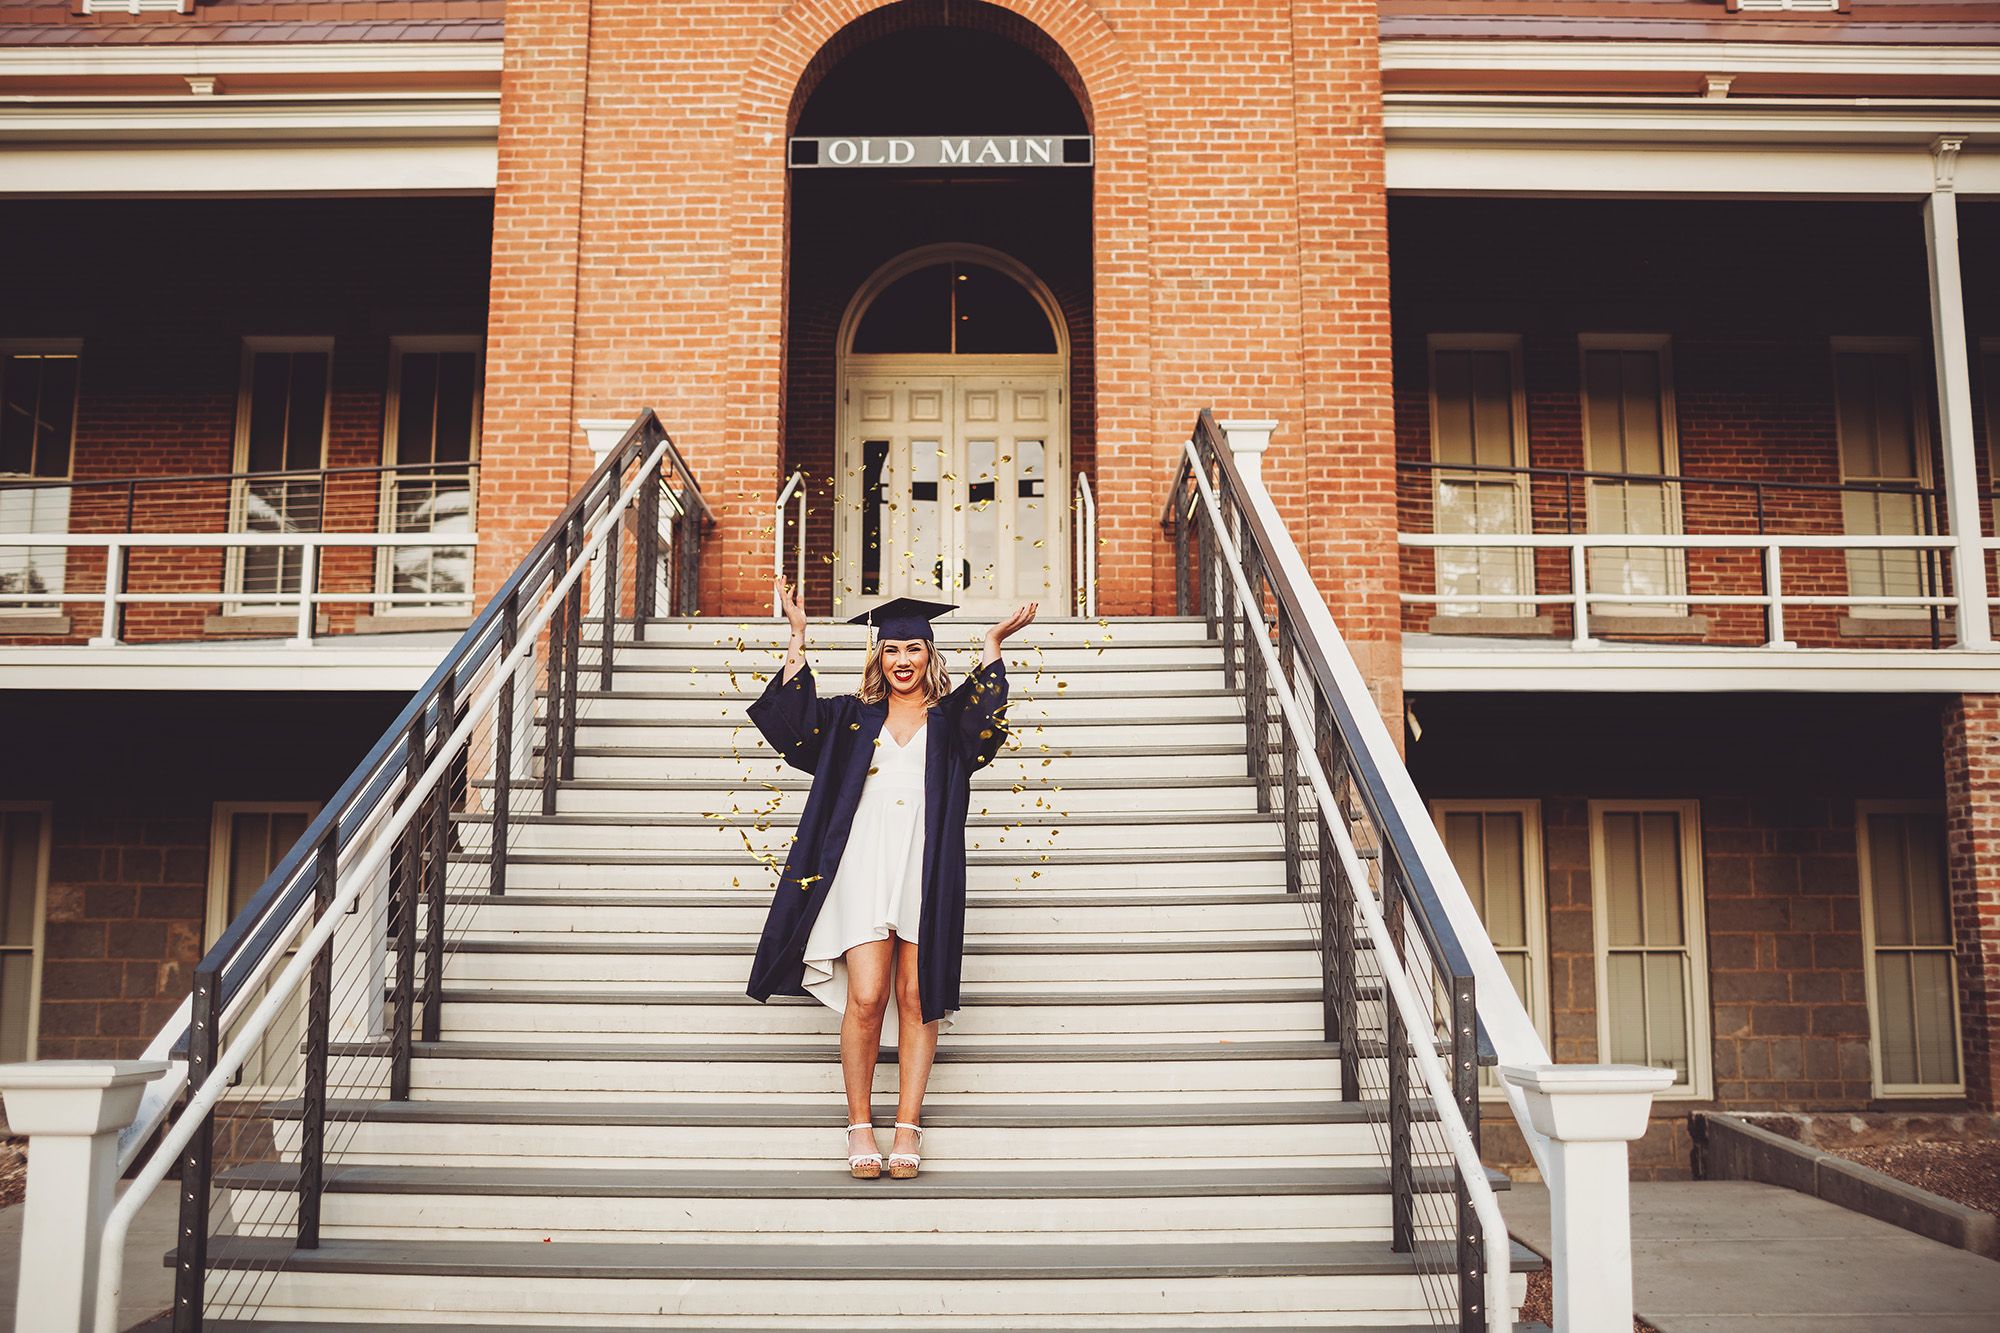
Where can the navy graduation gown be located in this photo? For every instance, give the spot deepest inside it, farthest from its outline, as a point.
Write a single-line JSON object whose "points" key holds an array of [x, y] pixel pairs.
{"points": [[834, 740]]}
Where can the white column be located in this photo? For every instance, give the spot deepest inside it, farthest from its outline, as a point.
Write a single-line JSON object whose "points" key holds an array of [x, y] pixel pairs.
{"points": [[1247, 442], [1589, 1113], [1963, 501], [71, 1111]]}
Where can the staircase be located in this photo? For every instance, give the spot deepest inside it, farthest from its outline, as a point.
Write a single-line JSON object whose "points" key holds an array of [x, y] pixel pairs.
{"points": [[1135, 1123]]}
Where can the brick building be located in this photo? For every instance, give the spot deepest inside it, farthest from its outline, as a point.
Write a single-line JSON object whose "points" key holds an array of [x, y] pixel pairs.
{"points": [[365, 281]]}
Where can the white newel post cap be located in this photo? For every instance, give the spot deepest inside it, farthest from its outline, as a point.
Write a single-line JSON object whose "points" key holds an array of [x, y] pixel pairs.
{"points": [[75, 1096], [1589, 1103], [603, 432], [1247, 441]]}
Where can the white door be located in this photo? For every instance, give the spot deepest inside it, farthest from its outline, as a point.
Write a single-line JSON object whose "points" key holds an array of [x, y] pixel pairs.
{"points": [[950, 489]]}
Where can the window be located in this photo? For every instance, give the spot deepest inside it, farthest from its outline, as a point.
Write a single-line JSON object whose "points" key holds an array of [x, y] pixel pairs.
{"points": [[246, 842], [958, 307], [431, 440], [1628, 430], [1496, 847], [1989, 368], [1652, 969], [1906, 932], [1478, 422], [24, 878], [282, 419], [1884, 447], [38, 397]]}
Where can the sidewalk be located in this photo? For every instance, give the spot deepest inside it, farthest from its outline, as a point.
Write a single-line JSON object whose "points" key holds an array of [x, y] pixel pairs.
{"points": [[149, 1284], [1731, 1257]]}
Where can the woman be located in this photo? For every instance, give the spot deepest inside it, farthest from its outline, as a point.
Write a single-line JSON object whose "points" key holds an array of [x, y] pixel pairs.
{"points": [[873, 894]]}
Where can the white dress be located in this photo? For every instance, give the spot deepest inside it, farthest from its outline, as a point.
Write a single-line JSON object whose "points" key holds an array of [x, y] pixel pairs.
{"points": [[878, 888]]}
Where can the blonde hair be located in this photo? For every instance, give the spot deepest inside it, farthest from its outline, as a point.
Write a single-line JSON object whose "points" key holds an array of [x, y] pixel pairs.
{"points": [[875, 681]]}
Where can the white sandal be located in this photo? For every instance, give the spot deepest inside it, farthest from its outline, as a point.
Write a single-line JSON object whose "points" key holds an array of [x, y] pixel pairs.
{"points": [[864, 1165], [903, 1165]]}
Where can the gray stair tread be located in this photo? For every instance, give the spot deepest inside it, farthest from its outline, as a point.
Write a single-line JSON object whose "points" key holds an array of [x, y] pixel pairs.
{"points": [[970, 998], [817, 1262], [739, 859], [791, 779], [632, 1182], [945, 1111], [561, 1048], [1065, 752], [165, 1325], [755, 819], [722, 720], [760, 897], [553, 943], [1026, 671], [1016, 690]]}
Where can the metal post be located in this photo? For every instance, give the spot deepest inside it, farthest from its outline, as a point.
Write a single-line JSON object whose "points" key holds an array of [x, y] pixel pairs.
{"points": [[1294, 872], [1179, 502], [573, 646], [614, 551], [646, 556], [191, 1241], [503, 748], [1222, 610], [688, 602], [553, 690], [410, 859], [1397, 1052], [439, 803], [1465, 1091], [319, 1012]]}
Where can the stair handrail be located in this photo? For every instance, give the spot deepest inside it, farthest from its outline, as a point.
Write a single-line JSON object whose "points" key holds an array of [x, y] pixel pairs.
{"points": [[795, 482], [252, 947], [1436, 1079], [1083, 564]]}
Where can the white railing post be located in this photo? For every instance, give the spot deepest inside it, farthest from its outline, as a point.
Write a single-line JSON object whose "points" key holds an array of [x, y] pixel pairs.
{"points": [[1588, 1114], [114, 587], [1579, 596], [1775, 622], [1954, 393], [308, 591], [71, 1111]]}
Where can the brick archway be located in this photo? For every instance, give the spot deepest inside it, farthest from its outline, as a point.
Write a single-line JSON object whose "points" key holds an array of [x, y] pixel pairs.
{"points": [[801, 44]]}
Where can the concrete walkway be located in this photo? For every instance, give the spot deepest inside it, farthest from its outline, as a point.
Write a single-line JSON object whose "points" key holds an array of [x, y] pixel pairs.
{"points": [[1732, 1257], [149, 1284]]}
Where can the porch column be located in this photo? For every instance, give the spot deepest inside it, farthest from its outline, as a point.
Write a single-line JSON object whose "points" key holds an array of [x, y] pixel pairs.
{"points": [[1954, 392], [1972, 850]]}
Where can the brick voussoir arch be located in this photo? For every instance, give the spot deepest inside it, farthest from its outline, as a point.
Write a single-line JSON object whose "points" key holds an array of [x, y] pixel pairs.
{"points": [[1131, 470]]}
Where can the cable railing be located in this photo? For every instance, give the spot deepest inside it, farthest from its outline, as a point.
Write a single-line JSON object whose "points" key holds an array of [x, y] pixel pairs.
{"points": [[306, 1014], [1412, 989], [195, 555], [1769, 563]]}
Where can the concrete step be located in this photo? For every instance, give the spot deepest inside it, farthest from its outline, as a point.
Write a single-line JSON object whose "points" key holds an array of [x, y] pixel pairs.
{"points": [[1046, 656], [951, 632], [825, 1206], [694, 1283], [739, 733], [1027, 704], [1009, 1134], [656, 794], [751, 761], [1109, 674]]}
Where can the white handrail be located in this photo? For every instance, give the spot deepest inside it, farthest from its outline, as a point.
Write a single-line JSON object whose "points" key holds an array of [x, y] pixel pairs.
{"points": [[1417, 1019], [795, 482], [118, 1223], [1084, 561]]}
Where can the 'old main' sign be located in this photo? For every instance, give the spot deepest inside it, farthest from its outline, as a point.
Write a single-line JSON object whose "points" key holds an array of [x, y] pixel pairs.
{"points": [[960, 150]]}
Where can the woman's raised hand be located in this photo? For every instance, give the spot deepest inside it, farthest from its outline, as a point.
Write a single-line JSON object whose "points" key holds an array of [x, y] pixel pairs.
{"points": [[795, 615], [1019, 620]]}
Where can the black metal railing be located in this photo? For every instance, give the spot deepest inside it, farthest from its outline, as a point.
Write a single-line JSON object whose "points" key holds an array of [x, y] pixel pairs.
{"points": [[1432, 1215], [404, 821]]}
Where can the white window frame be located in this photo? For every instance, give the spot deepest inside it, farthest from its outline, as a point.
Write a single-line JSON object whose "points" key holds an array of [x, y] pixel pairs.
{"points": [[1920, 444], [1878, 1088], [399, 344], [1661, 345], [1524, 559], [46, 809], [216, 916], [1700, 1085], [48, 347], [1535, 905], [234, 601]]}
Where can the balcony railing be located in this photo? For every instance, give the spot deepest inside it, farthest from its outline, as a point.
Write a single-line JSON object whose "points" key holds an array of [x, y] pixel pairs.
{"points": [[302, 552], [1565, 553]]}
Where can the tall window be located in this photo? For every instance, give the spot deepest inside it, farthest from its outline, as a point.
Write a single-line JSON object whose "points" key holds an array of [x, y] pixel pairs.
{"points": [[1884, 451], [24, 868], [1907, 932], [246, 842], [1628, 431], [38, 396], [1496, 847], [432, 443], [282, 420], [1479, 422], [1652, 972]]}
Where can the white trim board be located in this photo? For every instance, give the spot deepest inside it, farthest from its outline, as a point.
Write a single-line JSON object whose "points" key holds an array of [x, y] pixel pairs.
{"points": [[251, 667], [226, 58], [274, 169], [1400, 54], [1433, 667]]}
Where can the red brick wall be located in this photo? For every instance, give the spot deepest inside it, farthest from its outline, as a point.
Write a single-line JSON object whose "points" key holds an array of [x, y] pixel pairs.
{"points": [[1972, 833]]}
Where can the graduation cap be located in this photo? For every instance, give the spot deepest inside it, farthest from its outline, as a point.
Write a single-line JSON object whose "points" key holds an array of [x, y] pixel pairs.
{"points": [[902, 617]]}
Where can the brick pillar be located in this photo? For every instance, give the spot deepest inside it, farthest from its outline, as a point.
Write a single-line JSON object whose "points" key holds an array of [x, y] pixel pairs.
{"points": [[1972, 836], [526, 440]]}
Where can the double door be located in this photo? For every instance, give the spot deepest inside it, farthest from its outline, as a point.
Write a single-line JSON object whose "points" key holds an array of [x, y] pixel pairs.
{"points": [[951, 488]]}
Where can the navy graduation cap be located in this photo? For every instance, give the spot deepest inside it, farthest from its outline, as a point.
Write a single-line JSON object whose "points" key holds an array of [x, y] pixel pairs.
{"points": [[902, 617]]}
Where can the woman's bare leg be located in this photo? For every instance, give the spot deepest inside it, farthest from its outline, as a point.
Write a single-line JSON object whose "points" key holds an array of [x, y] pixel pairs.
{"points": [[861, 1032], [916, 1046]]}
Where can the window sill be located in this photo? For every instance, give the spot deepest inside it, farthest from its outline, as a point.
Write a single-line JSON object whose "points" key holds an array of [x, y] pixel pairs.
{"points": [[1679, 627], [411, 624], [262, 626], [1527, 627], [12, 625], [1896, 627]]}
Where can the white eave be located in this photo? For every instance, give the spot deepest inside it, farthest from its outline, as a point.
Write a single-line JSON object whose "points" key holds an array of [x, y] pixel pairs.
{"points": [[332, 665], [457, 115], [1816, 59], [220, 60], [1433, 665]]}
